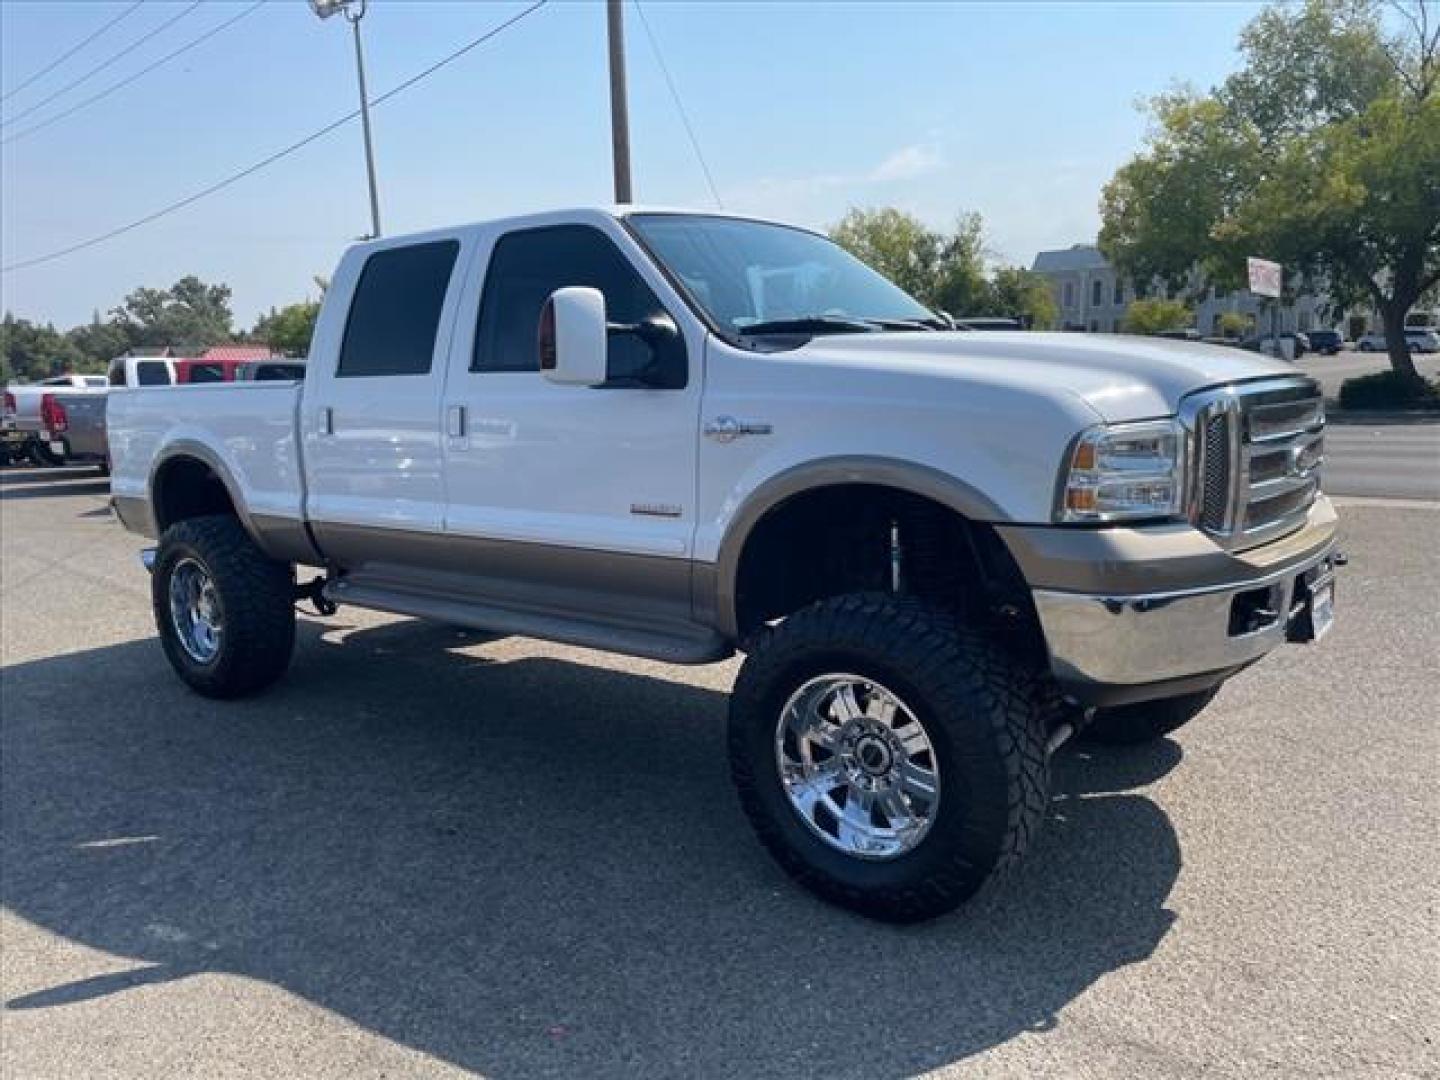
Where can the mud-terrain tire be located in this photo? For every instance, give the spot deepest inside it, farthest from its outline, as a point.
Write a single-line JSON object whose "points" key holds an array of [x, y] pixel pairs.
{"points": [[981, 723], [225, 611], [1133, 725]]}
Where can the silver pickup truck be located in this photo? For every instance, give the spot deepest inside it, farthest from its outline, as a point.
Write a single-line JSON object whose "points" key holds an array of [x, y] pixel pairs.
{"points": [[22, 431]]}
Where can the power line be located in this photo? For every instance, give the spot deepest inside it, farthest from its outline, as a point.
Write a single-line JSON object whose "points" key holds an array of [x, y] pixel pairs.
{"points": [[130, 78], [102, 65], [68, 53], [180, 204], [679, 106]]}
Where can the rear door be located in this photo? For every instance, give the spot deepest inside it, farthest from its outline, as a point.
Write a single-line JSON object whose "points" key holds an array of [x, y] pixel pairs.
{"points": [[371, 409]]}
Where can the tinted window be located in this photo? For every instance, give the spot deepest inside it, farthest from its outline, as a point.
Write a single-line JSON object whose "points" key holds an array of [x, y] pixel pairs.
{"points": [[395, 314], [152, 374], [528, 266], [207, 373]]}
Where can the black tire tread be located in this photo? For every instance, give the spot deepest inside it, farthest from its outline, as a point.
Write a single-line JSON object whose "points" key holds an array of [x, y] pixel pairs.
{"points": [[967, 676], [257, 599]]}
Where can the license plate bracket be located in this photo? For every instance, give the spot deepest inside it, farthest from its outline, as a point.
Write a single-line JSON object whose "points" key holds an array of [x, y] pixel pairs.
{"points": [[1313, 612]]}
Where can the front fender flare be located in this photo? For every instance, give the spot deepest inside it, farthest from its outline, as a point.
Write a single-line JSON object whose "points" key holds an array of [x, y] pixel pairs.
{"points": [[715, 585]]}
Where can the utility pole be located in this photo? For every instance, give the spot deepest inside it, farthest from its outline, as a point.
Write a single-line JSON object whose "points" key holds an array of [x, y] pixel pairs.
{"points": [[619, 108]]}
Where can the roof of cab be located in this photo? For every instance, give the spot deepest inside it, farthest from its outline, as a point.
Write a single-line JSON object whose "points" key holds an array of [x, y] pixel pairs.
{"points": [[614, 211]]}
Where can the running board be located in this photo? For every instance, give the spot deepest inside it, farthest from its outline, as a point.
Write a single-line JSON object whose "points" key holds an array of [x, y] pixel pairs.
{"points": [[690, 644]]}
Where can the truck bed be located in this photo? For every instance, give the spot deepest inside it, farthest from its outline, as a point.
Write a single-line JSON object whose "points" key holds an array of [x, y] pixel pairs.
{"points": [[250, 429]]}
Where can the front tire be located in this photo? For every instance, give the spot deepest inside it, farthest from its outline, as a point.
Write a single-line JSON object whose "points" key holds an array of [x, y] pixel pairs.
{"points": [[1147, 721], [891, 760], [225, 611]]}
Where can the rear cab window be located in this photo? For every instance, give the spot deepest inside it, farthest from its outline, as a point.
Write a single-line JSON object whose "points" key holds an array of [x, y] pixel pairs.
{"points": [[394, 315]]}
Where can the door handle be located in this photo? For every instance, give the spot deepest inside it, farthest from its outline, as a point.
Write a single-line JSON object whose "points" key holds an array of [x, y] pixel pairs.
{"points": [[727, 429], [327, 421], [455, 424]]}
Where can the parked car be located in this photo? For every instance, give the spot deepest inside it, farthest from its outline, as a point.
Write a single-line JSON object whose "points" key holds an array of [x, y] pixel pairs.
{"points": [[277, 370], [72, 426], [1326, 342], [680, 435], [1423, 339], [1299, 343], [206, 371], [20, 425], [141, 371]]}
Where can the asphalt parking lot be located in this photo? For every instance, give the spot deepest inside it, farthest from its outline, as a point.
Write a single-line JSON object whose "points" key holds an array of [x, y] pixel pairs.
{"points": [[429, 854]]}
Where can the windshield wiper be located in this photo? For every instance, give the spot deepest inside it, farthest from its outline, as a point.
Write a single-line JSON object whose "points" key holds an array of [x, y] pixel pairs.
{"points": [[810, 324], [908, 324]]}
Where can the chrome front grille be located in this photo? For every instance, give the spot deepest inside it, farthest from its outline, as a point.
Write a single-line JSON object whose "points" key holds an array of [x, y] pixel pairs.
{"points": [[1256, 451]]}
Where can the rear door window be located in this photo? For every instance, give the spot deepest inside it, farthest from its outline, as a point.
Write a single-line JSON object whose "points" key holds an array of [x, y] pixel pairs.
{"points": [[395, 314]]}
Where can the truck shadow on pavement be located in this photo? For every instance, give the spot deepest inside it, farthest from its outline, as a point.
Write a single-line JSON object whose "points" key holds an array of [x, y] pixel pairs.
{"points": [[526, 867]]}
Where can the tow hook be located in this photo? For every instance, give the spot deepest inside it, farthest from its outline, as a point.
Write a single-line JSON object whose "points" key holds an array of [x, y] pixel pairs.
{"points": [[314, 591]]}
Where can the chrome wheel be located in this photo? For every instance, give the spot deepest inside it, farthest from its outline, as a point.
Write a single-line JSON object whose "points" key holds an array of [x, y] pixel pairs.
{"points": [[857, 766], [195, 610]]}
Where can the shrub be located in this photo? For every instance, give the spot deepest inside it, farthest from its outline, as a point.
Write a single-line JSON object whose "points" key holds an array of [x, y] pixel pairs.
{"points": [[1389, 390]]}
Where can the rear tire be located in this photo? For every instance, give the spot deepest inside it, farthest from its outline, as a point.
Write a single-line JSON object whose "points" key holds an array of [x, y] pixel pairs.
{"points": [[43, 456], [1132, 725], [967, 714], [225, 610]]}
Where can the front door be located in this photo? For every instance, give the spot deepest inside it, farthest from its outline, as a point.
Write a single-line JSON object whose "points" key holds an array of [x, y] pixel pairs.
{"points": [[576, 500]]}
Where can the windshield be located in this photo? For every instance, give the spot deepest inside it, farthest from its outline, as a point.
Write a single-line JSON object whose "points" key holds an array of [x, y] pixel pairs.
{"points": [[749, 273]]}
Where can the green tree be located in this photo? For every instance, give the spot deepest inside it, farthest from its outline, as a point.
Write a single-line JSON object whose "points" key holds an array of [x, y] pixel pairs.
{"points": [[30, 351], [98, 342], [190, 313], [1155, 315], [1233, 324], [1322, 152], [897, 244], [289, 329], [1026, 295], [961, 288], [944, 270]]}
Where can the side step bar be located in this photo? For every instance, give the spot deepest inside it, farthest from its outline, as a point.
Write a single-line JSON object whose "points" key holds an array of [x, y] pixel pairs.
{"points": [[677, 645]]}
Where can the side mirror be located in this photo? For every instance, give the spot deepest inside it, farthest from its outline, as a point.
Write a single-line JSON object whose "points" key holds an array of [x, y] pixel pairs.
{"points": [[573, 337]]}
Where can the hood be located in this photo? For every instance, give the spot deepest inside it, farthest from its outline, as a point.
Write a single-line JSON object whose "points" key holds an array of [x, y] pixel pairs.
{"points": [[1119, 376]]}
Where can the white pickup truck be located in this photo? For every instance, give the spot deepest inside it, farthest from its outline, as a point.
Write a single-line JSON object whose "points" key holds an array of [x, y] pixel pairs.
{"points": [[678, 435]]}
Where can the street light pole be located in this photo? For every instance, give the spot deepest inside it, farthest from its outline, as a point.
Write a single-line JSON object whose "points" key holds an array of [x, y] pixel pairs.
{"points": [[365, 121], [354, 11], [619, 108]]}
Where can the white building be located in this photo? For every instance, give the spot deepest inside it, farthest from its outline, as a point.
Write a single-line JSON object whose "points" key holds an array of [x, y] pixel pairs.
{"points": [[1091, 296]]}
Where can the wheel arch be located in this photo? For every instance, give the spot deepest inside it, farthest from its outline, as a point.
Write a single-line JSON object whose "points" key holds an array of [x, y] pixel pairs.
{"points": [[189, 479], [719, 600]]}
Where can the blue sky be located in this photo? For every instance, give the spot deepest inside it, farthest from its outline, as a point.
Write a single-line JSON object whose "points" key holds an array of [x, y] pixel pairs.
{"points": [[1020, 111]]}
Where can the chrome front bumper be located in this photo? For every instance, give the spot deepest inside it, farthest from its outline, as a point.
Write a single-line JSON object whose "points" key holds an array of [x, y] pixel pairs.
{"points": [[1114, 649]]}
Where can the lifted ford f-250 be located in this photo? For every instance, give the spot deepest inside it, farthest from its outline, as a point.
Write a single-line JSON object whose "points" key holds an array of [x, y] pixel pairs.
{"points": [[678, 435]]}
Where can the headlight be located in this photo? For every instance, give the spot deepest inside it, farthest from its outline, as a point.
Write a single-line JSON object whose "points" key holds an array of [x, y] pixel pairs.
{"points": [[1119, 472]]}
